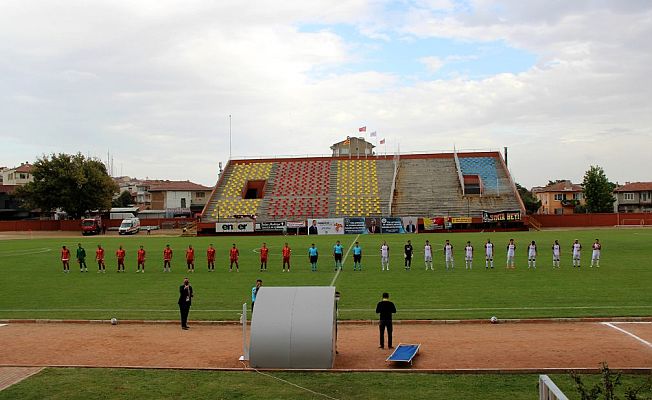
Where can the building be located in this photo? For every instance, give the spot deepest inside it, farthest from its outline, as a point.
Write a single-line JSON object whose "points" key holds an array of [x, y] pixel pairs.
{"points": [[559, 198], [179, 198], [18, 176], [353, 147], [633, 197]]}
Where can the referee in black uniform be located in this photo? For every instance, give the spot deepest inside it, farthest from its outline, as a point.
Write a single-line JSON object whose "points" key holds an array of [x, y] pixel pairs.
{"points": [[385, 308]]}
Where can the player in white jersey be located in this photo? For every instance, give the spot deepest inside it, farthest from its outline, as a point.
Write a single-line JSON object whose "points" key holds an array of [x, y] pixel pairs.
{"points": [[532, 255], [511, 251], [489, 254], [595, 257], [556, 254], [448, 253], [384, 256], [577, 249], [468, 255], [427, 255]]}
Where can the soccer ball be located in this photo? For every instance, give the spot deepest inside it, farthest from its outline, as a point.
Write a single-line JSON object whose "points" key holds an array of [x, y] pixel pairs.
{"points": [[493, 320], [114, 321]]}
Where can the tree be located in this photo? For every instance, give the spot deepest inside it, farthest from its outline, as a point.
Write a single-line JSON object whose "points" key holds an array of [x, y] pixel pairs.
{"points": [[123, 200], [531, 203], [74, 183], [598, 191]]}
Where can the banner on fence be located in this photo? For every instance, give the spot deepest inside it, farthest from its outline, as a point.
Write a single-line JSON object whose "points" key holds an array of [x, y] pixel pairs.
{"points": [[271, 226], [501, 216], [326, 226], [234, 227], [355, 225], [410, 224], [461, 220], [295, 225], [391, 225], [433, 223], [373, 225]]}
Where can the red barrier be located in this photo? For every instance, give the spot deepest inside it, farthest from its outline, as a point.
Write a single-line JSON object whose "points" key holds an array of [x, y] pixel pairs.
{"points": [[589, 220], [75, 225]]}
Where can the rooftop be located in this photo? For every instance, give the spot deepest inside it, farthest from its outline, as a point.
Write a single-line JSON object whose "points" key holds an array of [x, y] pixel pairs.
{"points": [[563, 186], [635, 187], [164, 186]]}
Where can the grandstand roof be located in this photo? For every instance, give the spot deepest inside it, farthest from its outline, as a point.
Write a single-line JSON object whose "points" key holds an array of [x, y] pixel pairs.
{"points": [[563, 186], [635, 187], [167, 186]]}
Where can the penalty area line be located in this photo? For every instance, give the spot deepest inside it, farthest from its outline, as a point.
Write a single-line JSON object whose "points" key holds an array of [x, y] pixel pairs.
{"points": [[645, 342], [344, 260]]}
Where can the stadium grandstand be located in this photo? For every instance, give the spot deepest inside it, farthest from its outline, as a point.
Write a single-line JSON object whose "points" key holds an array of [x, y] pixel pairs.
{"points": [[453, 184]]}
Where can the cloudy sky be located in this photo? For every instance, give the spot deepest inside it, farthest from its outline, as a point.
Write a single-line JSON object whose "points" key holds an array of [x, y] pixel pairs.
{"points": [[564, 84]]}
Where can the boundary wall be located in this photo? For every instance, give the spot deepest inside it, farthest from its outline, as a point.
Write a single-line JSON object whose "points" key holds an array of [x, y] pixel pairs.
{"points": [[593, 220], [75, 225]]}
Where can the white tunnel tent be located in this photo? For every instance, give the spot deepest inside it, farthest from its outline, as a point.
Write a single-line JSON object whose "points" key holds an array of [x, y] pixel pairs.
{"points": [[293, 327]]}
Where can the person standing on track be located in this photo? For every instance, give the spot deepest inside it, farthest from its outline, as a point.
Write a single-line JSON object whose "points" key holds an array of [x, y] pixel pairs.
{"points": [[595, 257], [234, 255], [448, 254], [489, 255], [427, 255], [577, 253], [210, 257], [120, 255], [65, 259], [167, 259], [264, 252], [468, 256], [140, 259], [384, 256], [313, 255], [99, 257], [81, 258], [357, 257], [385, 309], [556, 254], [190, 258], [185, 301], [286, 253], [338, 252], [408, 250], [532, 255], [511, 251]]}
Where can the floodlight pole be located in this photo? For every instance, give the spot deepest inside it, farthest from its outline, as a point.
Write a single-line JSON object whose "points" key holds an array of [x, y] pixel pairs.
{"points": [[229, 137]]}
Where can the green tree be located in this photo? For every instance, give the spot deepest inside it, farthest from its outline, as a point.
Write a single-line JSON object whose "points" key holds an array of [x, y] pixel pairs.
{"points": [[531, 203], [123, 200], [74, 183], [598, 191]]}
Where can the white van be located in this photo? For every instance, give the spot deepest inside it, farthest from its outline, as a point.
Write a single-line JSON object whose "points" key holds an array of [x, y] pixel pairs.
{"points": [[129, 226]]}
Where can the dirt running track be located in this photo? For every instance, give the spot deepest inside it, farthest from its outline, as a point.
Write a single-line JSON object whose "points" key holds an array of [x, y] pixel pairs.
{"points": [[444, 347]]}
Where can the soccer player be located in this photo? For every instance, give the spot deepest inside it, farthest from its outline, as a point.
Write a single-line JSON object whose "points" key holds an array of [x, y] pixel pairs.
{"points": [[65, 259], [140, 257], [384, 256], [357, 257], [120, 254], [468, 256], [338, 251], [167, 259], [489, 254], [313, 255], [595, 257], [81, 258], [210, 257], [408, 250], [234, 254], [99, 257], [286, 253], [190, 258], [577, 249], [511, 251], [448, 253], [532, 255], [264, 252], [427, 255], [556, 254]]}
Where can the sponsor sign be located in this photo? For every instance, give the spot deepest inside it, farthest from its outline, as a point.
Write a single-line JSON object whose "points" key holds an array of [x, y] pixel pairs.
{"points": [[410, 224], [392, 225], [461, 220], [433, 223], [295, 225], [373, 225], [234, 227], [501, 216], [326, 226], [271, 226], [355, 225]]}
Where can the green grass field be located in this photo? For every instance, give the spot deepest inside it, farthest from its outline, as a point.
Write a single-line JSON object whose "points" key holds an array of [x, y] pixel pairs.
{"points": [[35, 286], [54, 383]]}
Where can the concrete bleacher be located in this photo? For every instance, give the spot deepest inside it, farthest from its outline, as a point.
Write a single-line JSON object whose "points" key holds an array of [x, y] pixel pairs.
{"points": [[485, 167]]}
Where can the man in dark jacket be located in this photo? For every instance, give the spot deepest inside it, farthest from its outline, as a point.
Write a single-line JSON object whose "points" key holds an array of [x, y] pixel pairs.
{"points": [[185, 300], [385, 308]]}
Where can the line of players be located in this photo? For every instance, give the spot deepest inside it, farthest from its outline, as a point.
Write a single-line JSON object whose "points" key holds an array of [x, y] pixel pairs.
{"points": [[338, 253]]}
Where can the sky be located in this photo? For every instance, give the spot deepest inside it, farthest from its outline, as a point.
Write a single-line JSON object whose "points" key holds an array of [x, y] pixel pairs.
{"points": [[563, 84]]}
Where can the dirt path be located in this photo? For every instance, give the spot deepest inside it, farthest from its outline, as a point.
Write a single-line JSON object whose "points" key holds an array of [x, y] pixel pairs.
{"points": [[458, 346]]}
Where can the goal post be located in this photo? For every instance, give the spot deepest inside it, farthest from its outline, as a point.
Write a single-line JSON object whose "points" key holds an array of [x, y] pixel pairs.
{"points": [[243, 320], [548, 390]]}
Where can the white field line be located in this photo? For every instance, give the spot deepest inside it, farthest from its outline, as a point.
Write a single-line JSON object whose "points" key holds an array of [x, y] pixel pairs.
{"points": [[337, 273], [645, 342], [1, 325], [631, 322], [25, 252]]}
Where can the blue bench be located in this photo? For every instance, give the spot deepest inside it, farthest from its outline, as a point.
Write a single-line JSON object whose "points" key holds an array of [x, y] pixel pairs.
{"points": [[404, 353]]}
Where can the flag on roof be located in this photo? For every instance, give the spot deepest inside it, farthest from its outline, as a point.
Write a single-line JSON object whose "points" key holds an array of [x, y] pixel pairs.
{"points": [[363, 129], [372, 134], [382, 141], [347, 141]]}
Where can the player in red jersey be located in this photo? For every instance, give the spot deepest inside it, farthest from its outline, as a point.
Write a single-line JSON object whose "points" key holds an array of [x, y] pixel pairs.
{"points": [[99, 257], [264, 252], [65, 259], [210, 256], [190, 258], [167, 258], [286, 252], [141, 259], [234, 254], [120, 254]]}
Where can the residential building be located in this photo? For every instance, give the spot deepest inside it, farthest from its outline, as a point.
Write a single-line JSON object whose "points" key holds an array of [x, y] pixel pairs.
{"points": [[179, 197], [633, 197], [559, 198], [18, 176]]}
